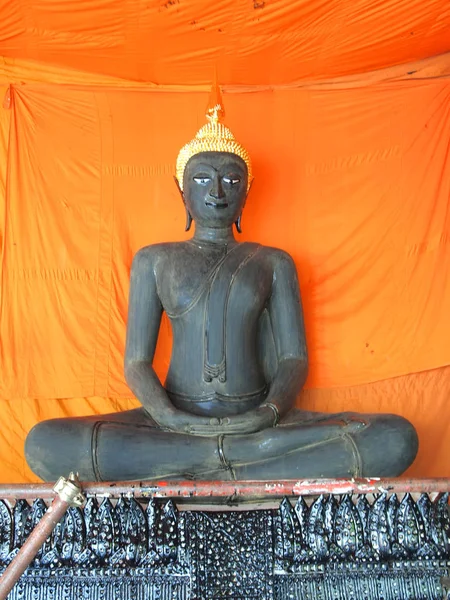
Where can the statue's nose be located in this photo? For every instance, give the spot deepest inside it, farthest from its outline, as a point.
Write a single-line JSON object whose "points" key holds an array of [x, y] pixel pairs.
{"points": [[216, 191]]}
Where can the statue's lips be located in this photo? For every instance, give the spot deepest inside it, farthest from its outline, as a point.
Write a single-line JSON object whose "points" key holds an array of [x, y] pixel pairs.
{"points": [[216, 204]]}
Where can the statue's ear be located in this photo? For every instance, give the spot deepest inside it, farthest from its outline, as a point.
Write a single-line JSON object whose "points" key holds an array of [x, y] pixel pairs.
{"points": [[249, 188], [188, 214], [238, 222], [248, 191], [179, 187]]}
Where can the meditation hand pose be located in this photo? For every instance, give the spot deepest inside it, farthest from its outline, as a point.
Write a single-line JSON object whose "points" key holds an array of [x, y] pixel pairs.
{"points": [[238, 364]]}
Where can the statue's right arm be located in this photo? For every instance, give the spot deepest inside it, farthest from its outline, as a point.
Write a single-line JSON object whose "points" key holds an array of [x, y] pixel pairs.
{"points": [[144, 319]]}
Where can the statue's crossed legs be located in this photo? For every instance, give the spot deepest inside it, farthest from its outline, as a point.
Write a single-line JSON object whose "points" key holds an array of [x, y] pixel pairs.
{"points": [[131, 446]]}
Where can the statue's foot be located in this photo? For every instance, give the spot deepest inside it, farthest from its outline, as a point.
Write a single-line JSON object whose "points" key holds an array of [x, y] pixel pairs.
{"points": [[386, 447]]}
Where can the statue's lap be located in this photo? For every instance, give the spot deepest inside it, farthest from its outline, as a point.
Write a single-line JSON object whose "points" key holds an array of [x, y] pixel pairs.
{"points": [[129, 445]]}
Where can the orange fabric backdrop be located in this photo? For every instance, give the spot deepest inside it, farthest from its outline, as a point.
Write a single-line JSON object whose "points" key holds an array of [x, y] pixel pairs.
{"points": [[180, 42], [354, 184]]}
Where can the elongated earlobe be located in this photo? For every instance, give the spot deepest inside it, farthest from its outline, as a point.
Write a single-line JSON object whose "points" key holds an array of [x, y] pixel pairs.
{"points": [[188, 214], [188, 220], [239, 219], [177, 183]]}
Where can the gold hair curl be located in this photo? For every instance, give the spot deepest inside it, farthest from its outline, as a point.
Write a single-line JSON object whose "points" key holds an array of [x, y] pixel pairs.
{"points": [[212, 137]]}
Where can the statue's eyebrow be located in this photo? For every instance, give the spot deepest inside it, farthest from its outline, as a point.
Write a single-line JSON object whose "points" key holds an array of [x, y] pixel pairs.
{"points": [[236, 166], [228, 168], [235, 170], [204, 166]]}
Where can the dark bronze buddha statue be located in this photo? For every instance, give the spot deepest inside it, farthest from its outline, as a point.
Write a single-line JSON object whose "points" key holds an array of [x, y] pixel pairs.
{"points": [[238, 364]]}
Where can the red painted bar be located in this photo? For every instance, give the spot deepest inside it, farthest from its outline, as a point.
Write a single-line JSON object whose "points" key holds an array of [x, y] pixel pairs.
{"points": [[230, 491]]}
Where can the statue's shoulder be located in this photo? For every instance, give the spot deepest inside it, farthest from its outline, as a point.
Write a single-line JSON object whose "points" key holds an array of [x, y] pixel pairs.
{"points": [[277, 256], [157, 254], [159, 250]]}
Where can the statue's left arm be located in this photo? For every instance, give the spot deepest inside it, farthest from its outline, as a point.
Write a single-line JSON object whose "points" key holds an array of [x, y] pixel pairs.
{"points": [[286, 316]]}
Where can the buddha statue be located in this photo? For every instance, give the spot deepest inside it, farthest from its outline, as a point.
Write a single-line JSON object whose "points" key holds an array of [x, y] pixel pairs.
{"points": [[239, 361]]}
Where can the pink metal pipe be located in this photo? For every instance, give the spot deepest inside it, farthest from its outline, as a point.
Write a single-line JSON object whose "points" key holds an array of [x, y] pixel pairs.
{"points": [[236, 490], [68, 494], [32, 545]]}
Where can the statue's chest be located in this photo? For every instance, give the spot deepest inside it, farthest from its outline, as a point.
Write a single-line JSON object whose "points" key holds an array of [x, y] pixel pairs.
{"points": [[197, 283]]}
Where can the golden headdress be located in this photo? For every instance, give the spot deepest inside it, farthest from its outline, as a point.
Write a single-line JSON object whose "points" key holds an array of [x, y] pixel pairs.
{"points": [[212, 137]]}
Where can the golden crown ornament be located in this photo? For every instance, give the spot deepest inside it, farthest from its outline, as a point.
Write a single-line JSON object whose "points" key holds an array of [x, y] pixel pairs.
{"points": [[212, 137]]}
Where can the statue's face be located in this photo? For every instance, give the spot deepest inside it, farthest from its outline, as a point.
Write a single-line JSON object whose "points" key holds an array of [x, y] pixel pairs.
{"points": [[215, 188]]}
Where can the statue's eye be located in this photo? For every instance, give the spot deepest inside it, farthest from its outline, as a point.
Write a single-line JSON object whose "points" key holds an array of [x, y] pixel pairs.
{"points": [[231, 180], [202, 179]]}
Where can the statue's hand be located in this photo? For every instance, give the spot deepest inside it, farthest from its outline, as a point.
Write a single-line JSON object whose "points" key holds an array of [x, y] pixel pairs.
{"points": [[182, 422], [249, 422]]}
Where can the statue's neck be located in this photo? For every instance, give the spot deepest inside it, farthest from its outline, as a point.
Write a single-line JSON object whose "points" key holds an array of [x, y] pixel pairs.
{"points": [[214, 236]]}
